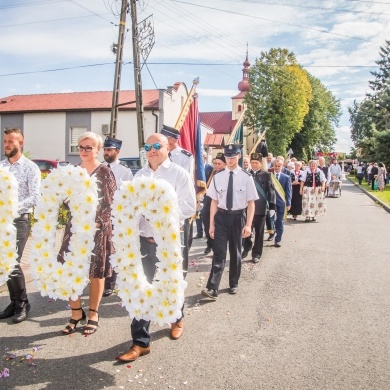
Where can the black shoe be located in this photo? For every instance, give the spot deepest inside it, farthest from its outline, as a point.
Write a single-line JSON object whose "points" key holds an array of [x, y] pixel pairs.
{"points": [[107, 292], [278, 244], [210, 293], [21, 313], [8, 312], [244, 254], [256, 259], [207, 250], [271, 237], [233, 290], [199, 235]]}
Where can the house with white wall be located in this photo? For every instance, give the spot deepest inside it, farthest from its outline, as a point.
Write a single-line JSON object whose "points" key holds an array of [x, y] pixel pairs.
{"points": [[51, 123]]}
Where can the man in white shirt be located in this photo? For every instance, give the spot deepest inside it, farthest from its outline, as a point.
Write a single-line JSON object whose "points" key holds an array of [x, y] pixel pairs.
{"points": [[112, 148], [160, 167]]}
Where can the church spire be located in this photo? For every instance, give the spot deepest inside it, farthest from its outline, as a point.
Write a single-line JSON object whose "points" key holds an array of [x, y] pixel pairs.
{"points": [[243, 85]]}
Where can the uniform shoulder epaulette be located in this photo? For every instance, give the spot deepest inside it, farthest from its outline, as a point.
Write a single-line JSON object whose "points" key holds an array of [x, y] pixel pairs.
{"points": [[218, 171], [246, 172], [186, 152]]}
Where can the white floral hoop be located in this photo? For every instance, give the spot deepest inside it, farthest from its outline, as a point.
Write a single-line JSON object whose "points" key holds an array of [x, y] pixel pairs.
{"points": [[157, 201], [64, 281], [8, 212]]}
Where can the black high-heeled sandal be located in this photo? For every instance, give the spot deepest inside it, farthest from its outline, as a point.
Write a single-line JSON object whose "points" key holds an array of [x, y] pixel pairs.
{"points": [[68, 329], [91, 322]]}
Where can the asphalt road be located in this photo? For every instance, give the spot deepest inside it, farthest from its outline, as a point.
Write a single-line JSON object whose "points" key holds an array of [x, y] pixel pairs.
{"points": [[313, 314]]}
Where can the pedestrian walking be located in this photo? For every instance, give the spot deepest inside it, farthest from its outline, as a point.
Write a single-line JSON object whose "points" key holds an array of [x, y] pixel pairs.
{"points": [[160, 167], [111, 151], [232, 191], [28, 177], [266, 202]]}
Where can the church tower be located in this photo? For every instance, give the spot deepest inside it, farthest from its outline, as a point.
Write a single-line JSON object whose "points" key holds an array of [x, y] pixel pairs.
{"points": [[243, 87]]}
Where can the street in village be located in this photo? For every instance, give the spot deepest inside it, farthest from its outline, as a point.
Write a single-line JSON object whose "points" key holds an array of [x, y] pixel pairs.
{"points": [[313, 314]]}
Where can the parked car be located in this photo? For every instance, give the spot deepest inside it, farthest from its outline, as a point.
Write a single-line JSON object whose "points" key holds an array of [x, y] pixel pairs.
{"points": [[134, 163], [45, 166]]}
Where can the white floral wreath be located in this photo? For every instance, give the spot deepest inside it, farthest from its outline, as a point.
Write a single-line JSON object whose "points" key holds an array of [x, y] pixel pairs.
{"points": [[156, 200], [75, 186], [8, 212]]}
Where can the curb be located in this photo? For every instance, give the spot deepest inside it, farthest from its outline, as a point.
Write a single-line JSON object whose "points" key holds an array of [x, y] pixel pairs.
{"points": [[376, 200]]}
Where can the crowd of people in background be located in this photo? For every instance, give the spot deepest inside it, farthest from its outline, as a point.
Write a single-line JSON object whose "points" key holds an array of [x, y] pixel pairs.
{"points": [[375, 175]]}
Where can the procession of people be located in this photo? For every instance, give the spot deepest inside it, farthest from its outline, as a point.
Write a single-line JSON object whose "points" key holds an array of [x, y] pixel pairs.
{"points": [[237, 207]]}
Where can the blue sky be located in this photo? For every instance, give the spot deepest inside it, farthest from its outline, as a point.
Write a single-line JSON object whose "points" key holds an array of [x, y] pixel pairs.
{"points": [[336, 41]]}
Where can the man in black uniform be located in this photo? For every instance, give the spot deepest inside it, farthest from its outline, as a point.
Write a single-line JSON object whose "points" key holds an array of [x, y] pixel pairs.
{"points": [[232, 190], [266, 201]]}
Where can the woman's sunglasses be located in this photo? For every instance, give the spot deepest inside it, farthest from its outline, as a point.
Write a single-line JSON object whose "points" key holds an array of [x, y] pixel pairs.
{"points": [[156, 146]]}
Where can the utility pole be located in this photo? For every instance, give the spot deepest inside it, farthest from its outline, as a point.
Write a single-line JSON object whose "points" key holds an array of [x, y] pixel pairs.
{"points": [[118, 69], [137, 75]]}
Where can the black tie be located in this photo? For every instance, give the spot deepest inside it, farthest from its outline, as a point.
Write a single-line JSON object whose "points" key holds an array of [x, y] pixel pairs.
{"points": [[109, 166], [229, 195], [277, 176]]}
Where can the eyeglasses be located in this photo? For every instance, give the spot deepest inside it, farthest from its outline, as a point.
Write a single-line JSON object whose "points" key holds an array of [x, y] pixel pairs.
{"points": [[156, 146], [84, 149]]}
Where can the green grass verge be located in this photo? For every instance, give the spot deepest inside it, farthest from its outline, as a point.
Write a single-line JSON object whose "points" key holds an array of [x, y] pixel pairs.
{"points": [[383, 196]]}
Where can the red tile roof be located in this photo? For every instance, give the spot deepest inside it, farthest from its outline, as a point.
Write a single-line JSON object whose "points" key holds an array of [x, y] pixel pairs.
{"points": [[214, 140], [75, 101], [221, 122]]}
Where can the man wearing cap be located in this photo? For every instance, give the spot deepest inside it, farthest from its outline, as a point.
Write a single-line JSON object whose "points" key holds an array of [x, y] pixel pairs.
{"points": [[266, 201], [177, 154], [219, 163], [232, 190], [111, 150], [160, 167], [185, 159]]}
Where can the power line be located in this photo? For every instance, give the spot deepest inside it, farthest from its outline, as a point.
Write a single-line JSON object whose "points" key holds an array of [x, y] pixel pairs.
{"points": [[271, 20], [174, 63]]}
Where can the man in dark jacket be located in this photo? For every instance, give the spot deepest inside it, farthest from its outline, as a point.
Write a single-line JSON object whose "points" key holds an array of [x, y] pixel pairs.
{"points": [[266, 201]]}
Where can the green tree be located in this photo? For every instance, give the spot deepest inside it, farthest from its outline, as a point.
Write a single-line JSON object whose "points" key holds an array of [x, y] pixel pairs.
{"points": [[372, 116], [278, 99], [318, 131]]}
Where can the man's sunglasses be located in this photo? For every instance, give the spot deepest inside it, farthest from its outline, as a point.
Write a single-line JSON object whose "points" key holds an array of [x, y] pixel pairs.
{"points": [[156, 146]]}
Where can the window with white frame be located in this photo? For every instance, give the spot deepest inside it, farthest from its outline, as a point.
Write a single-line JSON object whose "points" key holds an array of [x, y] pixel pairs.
{"points": [[75, 133]]}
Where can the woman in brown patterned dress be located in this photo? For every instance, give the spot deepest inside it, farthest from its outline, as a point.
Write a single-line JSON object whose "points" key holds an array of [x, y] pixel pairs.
{"points": [[89, 145]]}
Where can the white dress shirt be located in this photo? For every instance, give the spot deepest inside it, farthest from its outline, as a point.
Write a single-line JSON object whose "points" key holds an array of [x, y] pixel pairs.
{"points": [[244, 188], [183, 185], [28, 177], [183, 158], [120, 172]]}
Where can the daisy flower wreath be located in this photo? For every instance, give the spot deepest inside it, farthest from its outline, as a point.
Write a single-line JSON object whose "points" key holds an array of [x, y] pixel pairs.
{"points": [[75, 186], [8, 212], [157, 201]]}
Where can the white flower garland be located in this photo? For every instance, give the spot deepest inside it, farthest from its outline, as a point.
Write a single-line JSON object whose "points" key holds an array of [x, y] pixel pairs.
{"points": [[157, 201], [8, 212], [65, 281]]}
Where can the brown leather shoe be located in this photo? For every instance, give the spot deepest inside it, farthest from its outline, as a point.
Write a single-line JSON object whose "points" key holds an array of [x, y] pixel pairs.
{"points": [[134, 353], [177, 330]]}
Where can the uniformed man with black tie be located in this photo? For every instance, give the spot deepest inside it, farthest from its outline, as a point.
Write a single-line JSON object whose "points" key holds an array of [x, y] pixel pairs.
{"points": [[111, 150], [265, 203], [232, 190]]}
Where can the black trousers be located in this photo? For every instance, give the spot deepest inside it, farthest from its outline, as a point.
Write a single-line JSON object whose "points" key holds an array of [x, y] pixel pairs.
{"points": [[228, 229], [16, 283], [206, 220], [140, 328], [258, 226]]}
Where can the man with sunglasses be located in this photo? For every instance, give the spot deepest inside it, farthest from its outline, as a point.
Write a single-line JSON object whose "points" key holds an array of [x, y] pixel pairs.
{"points": [[111, 150], [160, 167]]}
